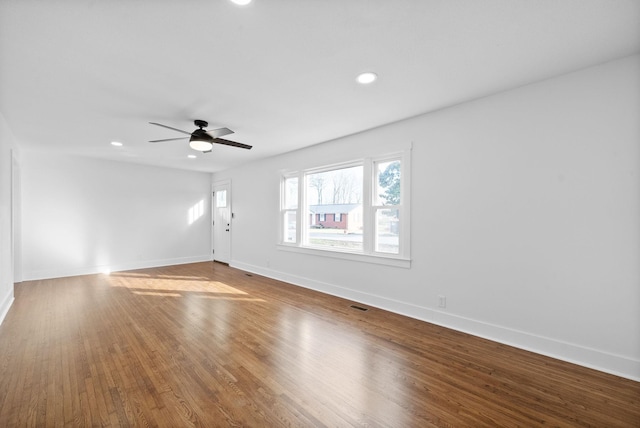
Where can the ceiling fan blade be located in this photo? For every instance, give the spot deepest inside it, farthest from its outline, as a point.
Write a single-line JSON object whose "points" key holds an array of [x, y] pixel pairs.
{"points": [[215, 133], [168, 139], [231, 143], [168, 127]]}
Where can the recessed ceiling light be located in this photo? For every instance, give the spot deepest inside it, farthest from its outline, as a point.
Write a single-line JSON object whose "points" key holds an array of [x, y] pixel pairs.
{"points": [[241, 2], [116, 143], [192, 156], [366, 78]]}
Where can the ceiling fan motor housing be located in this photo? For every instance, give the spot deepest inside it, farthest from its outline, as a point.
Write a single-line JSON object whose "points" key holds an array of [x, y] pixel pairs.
{"points": [[201, 134]]}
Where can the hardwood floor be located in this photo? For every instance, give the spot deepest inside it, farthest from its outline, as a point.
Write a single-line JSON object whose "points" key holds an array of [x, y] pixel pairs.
{"points": [[208, 345]]}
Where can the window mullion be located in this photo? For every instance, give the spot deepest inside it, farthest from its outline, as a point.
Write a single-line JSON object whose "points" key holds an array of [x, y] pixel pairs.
{"points": [[367, 205]]}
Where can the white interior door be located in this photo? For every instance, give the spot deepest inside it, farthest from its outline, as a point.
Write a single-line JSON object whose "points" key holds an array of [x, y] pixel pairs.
{"points": [[222, 222]]}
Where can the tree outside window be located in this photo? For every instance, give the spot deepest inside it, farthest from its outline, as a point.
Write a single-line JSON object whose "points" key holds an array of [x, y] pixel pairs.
{"points": [[387, 206]]}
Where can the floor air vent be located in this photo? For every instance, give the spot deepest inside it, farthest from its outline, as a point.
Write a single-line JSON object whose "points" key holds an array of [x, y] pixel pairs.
{"points": [[360, 308]]}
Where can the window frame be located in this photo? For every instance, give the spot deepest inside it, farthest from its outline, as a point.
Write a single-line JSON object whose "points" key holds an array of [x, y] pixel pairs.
{"points": [[376, 207], [284, 210], [368, 253]]}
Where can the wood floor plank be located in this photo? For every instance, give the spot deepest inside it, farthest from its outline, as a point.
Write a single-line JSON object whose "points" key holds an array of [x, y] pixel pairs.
{"points": [[204, 344]]}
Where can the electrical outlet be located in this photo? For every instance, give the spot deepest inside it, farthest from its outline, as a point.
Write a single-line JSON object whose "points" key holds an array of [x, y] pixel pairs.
{"points": [[442, 301]]}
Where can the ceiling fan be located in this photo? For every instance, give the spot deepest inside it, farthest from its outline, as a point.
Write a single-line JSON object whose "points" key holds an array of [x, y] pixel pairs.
{"points": [[201, 139]]}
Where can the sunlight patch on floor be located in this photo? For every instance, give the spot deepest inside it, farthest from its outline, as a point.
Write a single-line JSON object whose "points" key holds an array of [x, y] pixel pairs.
{"points": [[143, 284], [245, 299], [156, 293]]}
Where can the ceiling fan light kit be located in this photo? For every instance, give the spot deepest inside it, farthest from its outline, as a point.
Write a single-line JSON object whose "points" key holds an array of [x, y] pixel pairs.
{"points": [[201, 139], [200, 145]]}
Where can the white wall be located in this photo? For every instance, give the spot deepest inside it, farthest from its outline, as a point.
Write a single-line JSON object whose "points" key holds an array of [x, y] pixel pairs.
{"points": [[84, 215], [8, 148], [525, 215]]}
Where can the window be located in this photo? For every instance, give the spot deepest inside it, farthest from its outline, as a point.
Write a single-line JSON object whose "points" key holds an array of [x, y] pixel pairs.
{"points": [[221, 199], [326, 190], [386, 206], [367, 206], [290, 209]]}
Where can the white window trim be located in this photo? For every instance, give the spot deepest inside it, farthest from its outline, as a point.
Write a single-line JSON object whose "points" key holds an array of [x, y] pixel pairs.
{"points": [[402, 259], [378, 258]]}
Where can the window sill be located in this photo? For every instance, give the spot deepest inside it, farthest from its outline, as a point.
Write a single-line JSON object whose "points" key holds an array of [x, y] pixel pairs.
{"points": [[344, 255]]}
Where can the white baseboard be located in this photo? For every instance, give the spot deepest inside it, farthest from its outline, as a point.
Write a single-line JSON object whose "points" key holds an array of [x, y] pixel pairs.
{"points": [[7, 301], [592, 358], [89, 270]]}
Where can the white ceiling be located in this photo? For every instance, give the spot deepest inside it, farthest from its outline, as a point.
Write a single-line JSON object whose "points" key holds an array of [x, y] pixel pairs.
{"points": [[78, 74]]}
